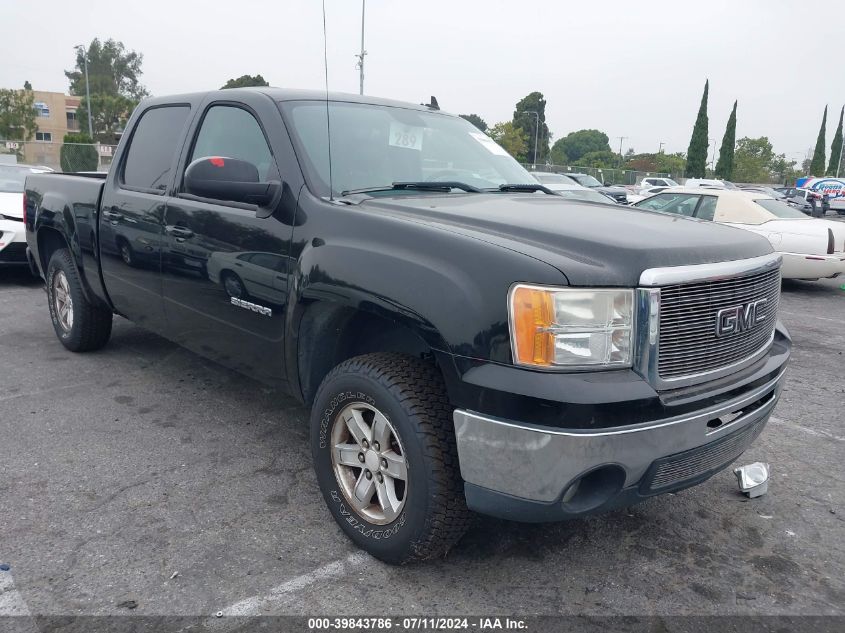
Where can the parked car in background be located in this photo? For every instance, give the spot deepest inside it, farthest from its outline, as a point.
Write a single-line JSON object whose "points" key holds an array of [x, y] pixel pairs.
{"points": [[786, 192], [831, 189], [644, 193], [802, 199], [618, 194], [811, 248], [769, 191], [12, 235], [568, 188], [657, 181], [710, 182]]}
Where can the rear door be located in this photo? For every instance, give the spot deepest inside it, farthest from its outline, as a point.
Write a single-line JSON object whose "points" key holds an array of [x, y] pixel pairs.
{"points": [[131, 225], [224, 264]]}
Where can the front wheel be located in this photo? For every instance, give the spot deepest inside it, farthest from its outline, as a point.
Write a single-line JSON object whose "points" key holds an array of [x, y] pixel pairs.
{"points": [[385, 456], [80, 325]]}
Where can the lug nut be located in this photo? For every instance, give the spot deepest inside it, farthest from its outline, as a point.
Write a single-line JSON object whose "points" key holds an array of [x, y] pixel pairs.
{"points": [[380, 477], [376, 446], [361, 457], [383, 462], [368, 474], [365, 444]]}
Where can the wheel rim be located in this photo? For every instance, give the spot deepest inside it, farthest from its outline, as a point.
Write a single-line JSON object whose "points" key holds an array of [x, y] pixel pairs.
{"points": [[369, 463], [126, 254], [233, 287], [62, 301]]}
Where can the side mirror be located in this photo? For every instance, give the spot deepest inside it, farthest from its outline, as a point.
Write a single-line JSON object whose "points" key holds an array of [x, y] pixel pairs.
{"points": [[228, 179]]}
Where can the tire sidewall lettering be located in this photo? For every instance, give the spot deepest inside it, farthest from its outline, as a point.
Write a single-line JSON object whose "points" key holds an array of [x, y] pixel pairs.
{"points": [[362, 527]]}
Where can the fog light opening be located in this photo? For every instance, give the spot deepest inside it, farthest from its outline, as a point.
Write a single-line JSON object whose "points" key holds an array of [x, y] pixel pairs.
{"points": [[593, 489], [753, 479]]}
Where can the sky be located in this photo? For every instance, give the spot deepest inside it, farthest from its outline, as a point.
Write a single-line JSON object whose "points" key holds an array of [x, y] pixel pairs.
{"points": [[632, 69]]}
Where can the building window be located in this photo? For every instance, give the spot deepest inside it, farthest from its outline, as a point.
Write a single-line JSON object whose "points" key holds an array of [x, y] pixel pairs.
{"points": [[42, 109], [47, 137], [72, 121]]}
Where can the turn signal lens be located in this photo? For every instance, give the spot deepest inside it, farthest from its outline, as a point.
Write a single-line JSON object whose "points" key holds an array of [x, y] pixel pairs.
{"points": [[571, 327]]}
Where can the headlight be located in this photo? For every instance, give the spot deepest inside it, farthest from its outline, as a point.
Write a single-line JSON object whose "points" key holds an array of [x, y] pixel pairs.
{"points": [[571, 327]]}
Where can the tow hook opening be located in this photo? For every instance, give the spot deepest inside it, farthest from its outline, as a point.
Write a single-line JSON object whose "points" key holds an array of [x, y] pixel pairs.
{"points": [[593, 489]]}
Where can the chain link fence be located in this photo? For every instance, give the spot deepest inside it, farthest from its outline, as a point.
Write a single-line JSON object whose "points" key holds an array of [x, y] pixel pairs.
{"points": [[613, 176], [58, 156]]}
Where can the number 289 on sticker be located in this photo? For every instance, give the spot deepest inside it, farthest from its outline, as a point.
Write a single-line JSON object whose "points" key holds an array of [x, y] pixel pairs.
{"points": [[406, 136]]}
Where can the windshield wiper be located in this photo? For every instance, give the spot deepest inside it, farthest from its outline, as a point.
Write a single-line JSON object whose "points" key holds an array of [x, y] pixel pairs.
{"points": [[423, 185], [527, 188]]}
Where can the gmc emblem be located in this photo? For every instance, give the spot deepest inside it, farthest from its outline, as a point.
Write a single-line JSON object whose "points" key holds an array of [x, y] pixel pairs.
{"points": [[740, 318]]}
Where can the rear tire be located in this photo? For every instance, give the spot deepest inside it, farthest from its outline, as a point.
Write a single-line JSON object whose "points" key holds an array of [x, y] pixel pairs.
{"points": [[80, 325], [404, 399]]}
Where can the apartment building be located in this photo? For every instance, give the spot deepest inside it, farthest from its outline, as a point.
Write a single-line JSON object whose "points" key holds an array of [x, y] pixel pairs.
{"points": [[55, 115]]}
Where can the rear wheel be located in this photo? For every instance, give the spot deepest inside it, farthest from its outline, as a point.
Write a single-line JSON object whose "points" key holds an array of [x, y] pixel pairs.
{"points": [[386, 459], [80, 325]]}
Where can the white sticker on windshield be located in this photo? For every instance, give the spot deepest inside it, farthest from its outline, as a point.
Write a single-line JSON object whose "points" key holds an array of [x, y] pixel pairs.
{"points": [[489, 144], [406, 136]]}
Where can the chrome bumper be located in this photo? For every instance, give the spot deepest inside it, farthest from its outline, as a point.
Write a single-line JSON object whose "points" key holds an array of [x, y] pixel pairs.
{"points": [[539, 463]]}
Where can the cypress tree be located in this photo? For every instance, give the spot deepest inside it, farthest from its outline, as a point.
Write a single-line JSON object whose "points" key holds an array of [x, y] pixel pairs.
{"points": [[817, 165], [725, 164], [836, 148], [697, 152]]}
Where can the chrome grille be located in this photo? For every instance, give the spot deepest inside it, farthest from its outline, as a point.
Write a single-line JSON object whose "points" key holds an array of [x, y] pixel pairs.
{"points": [[688, 344]]}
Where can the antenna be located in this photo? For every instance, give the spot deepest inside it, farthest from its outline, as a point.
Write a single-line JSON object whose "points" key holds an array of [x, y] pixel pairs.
{"points": [[328, 121]]}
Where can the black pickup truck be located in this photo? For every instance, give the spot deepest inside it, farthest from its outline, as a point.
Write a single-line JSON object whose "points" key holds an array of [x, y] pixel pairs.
{"points": [[466, 339]]}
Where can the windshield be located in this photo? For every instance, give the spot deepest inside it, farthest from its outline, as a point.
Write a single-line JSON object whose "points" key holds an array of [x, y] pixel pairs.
{"points": [[375, 146], [585, 194], [585, 180], [12, 179], [780, 209], [553, 179]]}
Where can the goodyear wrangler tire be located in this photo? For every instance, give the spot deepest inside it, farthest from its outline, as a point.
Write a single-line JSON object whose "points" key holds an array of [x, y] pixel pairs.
{"points": [[80, 326], [384, 452]]}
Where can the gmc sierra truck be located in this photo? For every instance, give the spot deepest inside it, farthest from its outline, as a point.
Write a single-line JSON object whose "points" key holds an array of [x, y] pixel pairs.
{"points": [[467, 341]]}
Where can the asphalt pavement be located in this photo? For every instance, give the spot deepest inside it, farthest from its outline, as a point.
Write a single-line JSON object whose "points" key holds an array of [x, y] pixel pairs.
{"points": [[145, 479]]}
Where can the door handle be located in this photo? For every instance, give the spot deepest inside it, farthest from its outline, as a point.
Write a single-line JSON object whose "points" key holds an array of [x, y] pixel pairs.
{"points": [[180, 232], [112, 216]]}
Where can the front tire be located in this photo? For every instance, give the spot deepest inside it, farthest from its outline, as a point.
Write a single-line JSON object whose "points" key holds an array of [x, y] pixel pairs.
{"points": [[384, 452], [80, 325]]}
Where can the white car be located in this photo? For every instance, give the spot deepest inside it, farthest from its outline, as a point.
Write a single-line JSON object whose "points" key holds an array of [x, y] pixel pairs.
{"points": [[710, 183], [12, 235], [567, 187], [657, 181], [811, 248], [645, 192]]}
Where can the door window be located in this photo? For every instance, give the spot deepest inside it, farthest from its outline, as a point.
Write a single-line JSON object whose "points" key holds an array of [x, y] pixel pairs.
{"points": [[153, 145], [678, 203], [232, 132], [707, 208]]}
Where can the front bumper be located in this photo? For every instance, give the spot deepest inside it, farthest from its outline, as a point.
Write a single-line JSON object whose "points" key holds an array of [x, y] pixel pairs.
{"points": [[528, 472], [12, 242]]}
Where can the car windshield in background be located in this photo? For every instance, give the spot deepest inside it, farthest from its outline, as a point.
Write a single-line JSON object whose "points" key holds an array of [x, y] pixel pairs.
{"points": [[586, 195], [12, 179], [374, 146], [586, 181], [780, 209], [554, 179]]}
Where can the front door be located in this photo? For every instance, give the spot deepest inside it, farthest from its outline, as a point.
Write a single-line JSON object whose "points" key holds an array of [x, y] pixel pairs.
{"points": [[224, 265]]}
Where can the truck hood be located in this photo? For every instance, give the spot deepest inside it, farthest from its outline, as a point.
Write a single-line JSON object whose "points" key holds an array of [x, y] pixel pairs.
{"points": [[11, 204], [591, 244]]}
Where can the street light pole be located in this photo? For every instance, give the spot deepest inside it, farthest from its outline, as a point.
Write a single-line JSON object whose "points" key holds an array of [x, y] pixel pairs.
{"points": [[621, 161], [360, 55], [660, 149], [536, 133], [87, 87]]}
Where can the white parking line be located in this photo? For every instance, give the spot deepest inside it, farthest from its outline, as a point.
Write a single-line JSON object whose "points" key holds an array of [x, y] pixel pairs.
{"points": [[257, 605], [808, 430], [13, 604]]}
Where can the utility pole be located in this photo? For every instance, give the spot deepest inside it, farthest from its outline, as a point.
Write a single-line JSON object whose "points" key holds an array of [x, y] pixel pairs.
{"points": [[536, 133], [660, 149], [360, 55], [81, 48], [621, 160]]}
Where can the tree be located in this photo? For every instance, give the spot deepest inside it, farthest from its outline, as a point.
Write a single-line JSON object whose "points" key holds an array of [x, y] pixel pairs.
{"points": [[476, 120], [78, 153], [604, 159], [576, 144], [662, 163], [697, 152], [17, 115], [725, 164], [525, 120], [27, 85], [245, 81], [753, 160], [511, 138], [836, 148], [113, 76], [784, 170], [817, 164]]}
